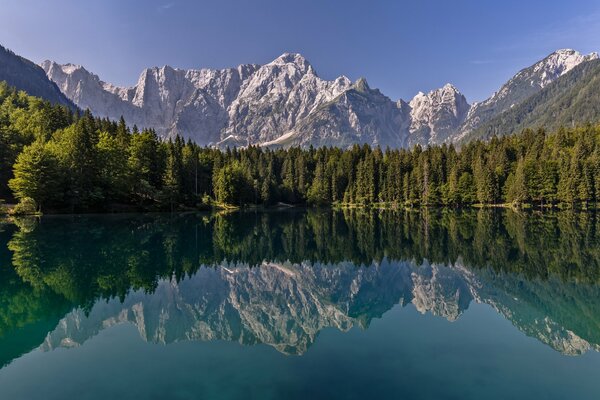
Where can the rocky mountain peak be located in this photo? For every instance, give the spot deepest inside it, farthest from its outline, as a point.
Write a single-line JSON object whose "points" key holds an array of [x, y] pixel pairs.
{"points": [[294, 60], [437, 114], [362, 85], [54, 69], [450, 87], [557, 64], [290, 58]]}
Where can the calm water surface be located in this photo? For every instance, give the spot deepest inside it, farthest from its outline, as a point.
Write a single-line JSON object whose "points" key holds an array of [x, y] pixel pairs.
{"points": [[301, 304]]}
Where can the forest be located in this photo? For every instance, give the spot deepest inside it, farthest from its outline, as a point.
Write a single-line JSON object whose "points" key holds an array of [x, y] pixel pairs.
{"points": [[55, 160]]}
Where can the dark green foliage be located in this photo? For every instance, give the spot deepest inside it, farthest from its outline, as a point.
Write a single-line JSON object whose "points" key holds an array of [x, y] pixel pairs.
{"points": [[23, 120]]}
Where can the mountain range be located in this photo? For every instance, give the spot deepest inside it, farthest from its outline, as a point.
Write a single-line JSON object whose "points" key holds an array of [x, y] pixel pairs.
{"points": [[285, 103]]}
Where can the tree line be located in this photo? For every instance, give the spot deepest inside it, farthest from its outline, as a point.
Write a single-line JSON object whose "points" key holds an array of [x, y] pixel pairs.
{"points": [[74, 162]]}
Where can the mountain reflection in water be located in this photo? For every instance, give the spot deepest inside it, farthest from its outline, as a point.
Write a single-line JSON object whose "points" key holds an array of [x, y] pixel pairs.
{"points": [[279, 278]]}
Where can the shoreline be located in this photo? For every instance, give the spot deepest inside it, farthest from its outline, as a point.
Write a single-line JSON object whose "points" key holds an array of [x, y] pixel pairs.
{"points": [[226, 208]]}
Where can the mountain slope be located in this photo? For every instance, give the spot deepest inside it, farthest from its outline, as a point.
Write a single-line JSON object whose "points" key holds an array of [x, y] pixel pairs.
{"points": [[572, 99], [526, 83], [29, 77]]}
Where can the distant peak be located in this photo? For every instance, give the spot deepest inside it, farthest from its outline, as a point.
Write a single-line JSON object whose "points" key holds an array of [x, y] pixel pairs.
{"points": [[361, 85], [343, 79], [290, 58], [67, 68], [47, 63], [569, 56], [572, 52], [566, 51], [294, 59], [164, 68], [449, 86], [557, 64]]}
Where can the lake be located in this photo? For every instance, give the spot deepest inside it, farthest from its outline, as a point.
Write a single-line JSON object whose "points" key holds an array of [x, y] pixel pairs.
{"points": [[301, 304]]}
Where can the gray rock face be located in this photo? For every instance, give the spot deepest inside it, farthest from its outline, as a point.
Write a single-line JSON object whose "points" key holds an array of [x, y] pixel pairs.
{"points": [[285, 103], [277, 96], [358, 115], [246, 105], [436, 116], [190, 103]]}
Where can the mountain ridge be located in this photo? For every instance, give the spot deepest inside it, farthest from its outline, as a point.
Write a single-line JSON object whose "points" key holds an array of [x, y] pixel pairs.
{"points": [[286, 103], [571, 99], [29, 77]]}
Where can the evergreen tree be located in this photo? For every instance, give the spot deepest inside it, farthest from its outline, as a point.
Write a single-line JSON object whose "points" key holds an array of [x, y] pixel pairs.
{"points": [[319, 191], [517, 191]]}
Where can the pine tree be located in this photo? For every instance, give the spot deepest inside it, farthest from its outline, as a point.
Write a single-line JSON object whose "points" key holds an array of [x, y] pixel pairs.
{"points": [[466, 188], [113, 168], [268, 185], [122, 134], [76, 148], [319, 191], [517, 191], [172, 182]]}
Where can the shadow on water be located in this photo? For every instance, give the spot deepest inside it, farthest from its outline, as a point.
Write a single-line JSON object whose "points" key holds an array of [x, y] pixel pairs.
{"points": [[281, 277]]}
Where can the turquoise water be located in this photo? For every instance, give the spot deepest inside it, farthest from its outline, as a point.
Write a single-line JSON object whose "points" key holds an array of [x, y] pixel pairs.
{"points": [[301, 304]]}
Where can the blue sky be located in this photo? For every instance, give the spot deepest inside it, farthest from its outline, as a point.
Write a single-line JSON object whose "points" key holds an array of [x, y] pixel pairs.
{"points": [[400, 46]]}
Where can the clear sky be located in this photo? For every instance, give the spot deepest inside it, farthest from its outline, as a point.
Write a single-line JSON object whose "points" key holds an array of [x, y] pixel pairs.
{"points": [[400, 46]]}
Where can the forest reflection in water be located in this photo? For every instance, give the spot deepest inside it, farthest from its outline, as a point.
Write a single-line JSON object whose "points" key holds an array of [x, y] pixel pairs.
{"points": [[280, 277]]}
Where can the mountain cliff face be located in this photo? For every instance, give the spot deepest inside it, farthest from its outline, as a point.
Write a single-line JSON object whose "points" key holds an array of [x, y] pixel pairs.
{"points": [[285, 103], [358, 115], [25, 75], [191, 103], [249, 104], [287, 305], [436, 116], [276, 97]]}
